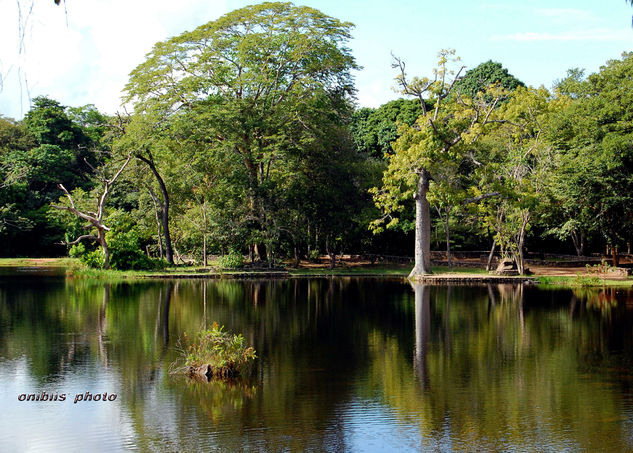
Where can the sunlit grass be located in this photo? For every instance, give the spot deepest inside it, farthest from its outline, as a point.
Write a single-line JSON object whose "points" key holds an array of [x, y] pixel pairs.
{"points": [[76, 269], [581, 280]]}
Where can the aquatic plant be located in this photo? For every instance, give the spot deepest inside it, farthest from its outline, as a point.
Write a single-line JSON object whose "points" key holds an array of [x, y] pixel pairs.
{"points": [[216, 353]]}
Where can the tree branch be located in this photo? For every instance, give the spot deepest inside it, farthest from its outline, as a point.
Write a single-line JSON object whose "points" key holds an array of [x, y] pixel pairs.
{"points": [[80, 238], [481, 197]]}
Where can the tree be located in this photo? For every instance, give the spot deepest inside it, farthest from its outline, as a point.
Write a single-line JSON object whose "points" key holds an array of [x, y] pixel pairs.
{"points": [[146, 139], [49, 146], [95, 219], [592, 183], [481, 77], [520, 167], [261, 82], [440, 136], [374, 130], [14, 142]]}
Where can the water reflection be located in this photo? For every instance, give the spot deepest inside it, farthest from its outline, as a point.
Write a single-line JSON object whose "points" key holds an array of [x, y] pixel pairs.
{"points": [[345, 364], [422, 330]]}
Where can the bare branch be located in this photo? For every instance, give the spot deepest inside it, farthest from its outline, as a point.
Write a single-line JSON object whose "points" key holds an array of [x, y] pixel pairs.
{"points": [[481, 197], [80, 238], [471, 155], [406, 87]]}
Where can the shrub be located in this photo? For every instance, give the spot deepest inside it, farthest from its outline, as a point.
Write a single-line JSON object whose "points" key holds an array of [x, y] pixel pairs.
{"points": [[590, 280], [313, 255], [233, 260], [599, 269], [126, 253], [91, 258], [223, 354]]}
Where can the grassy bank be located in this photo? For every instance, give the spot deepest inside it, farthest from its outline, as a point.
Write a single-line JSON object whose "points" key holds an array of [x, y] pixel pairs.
{"points": [[38, 262], [77, 269], [582, 281]]}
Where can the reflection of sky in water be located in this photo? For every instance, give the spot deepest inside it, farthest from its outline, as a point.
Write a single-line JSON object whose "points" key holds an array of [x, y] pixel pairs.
{"points": [[373, 427], [54, 426]]}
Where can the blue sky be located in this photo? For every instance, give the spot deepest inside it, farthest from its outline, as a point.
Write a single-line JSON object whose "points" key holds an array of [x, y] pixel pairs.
{"points": [[82, 53]]}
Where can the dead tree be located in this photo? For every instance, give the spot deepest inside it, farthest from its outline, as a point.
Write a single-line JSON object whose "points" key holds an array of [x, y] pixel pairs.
{"points": [[95, 219]]}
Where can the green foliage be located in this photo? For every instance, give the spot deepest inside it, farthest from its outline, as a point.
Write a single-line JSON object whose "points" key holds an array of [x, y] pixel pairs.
{"points": [[600, 269], [233, 260], [49, 146], [92, 258], [591, 184], [587, 280], [573, 85], [519, 167], [126, 253], [278, 95], [226, 353], [441, 144], [374, 130], [477, 80], [256, 109]]}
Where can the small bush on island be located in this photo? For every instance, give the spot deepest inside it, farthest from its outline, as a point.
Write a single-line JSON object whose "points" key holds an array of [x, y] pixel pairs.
{"points": [[215, 353]]}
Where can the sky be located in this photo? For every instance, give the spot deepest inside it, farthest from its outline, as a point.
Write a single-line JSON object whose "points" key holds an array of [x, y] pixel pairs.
{"points": [[82, 51]]}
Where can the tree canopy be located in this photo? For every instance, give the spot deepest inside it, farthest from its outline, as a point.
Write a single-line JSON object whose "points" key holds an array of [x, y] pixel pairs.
{"points": [[485, 74], [244, 139]]}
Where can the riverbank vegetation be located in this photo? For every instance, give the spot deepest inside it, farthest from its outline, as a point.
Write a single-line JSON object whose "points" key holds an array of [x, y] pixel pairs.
{"points": [[546, 277], [245, 141]]}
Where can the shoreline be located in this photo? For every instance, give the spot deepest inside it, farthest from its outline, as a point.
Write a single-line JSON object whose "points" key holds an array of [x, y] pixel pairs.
{"points": [[560, 277]]}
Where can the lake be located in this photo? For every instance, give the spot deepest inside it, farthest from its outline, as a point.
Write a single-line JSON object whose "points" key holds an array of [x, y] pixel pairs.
{"points": [[344, 364]]}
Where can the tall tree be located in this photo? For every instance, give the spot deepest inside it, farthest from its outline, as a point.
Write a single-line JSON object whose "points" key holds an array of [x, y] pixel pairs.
{"points": [[520, 167], [261, 82], [51, 145], [481, 77], [441, 135], [592, 183]]}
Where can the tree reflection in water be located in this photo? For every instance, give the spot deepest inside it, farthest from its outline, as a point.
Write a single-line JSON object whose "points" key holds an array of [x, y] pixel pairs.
{"points": [[343, 362]]}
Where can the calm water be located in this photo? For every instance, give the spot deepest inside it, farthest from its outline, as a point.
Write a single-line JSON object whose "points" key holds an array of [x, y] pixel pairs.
{"points": [[344, 365]]}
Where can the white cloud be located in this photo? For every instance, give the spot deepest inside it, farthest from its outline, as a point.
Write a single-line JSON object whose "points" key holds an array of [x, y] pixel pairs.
{"points": [[84, 53]]}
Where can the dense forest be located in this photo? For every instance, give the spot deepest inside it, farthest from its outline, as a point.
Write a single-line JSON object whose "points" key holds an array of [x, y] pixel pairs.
{"points": [[243, 139]]}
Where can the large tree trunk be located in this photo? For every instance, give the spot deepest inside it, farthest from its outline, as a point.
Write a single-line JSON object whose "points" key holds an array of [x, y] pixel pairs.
{"points": [[106, 250], [260, 251], [520, 261], [297, 258], [422, 228], [158, 228], [169, 254], [491, 255], [204, 234], [447, 211], [579, 242], [331, 253]]}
